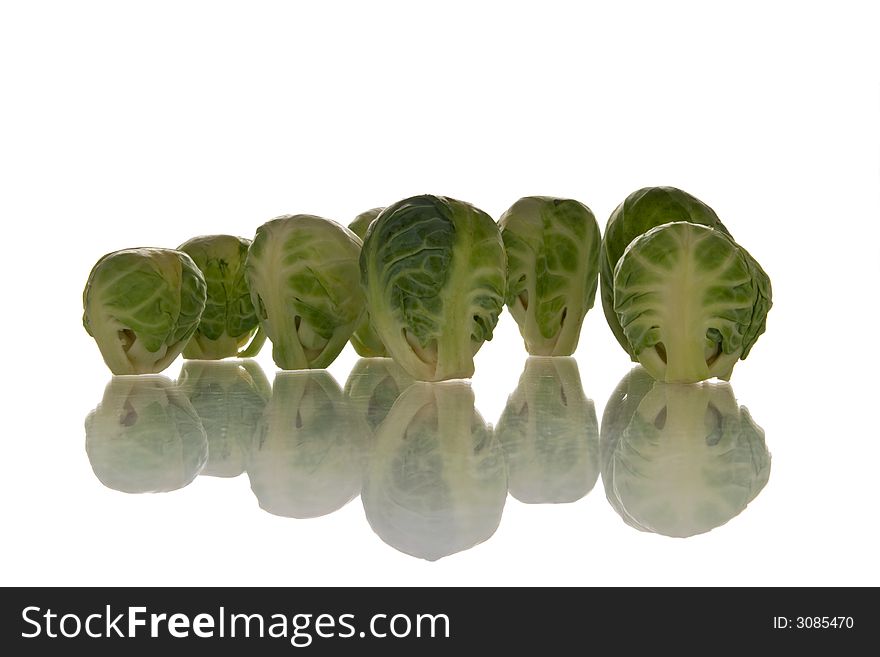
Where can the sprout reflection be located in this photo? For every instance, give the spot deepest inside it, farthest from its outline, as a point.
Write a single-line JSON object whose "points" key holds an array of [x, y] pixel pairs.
{"points": [[679, 459], [229, 397], [305, 460], [145, 436], [550, 434], [373, 386], [436, 481]]}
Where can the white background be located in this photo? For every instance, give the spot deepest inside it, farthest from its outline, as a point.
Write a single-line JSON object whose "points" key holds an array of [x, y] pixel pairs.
{"points": [[130, 124]]}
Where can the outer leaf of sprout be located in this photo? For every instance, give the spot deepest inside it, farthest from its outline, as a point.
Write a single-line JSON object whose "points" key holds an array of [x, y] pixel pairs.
{"points": [[365, 340], [229, 320], [642, 210], [142, 306], [552, 247], [433, 269], [304, 281], [690, 302], [362, 222]]}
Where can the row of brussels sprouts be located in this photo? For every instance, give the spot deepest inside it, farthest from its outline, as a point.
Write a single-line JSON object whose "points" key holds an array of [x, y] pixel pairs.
{"points": [[425, 279], [433, 476]]}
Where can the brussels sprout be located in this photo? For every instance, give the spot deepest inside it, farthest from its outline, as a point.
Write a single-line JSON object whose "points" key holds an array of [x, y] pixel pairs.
{"points": [[550, 434], [436, 481], [306, 457], [434, 273], [229, 320], [365, 340], [641, 211], [230, 399], [142, 306], [304, 280], [552, 247], [691, 302], [362, 222], [145, 436], [373, 386], [680, 460]]}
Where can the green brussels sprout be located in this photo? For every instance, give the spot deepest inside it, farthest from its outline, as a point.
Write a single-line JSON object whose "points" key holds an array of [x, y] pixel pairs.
{"points": [[641, 211], [304, 280], [550, 434], [362, 222], [306, 457], [433, 269], [364, 339], [436, 481], [552, 247], [142, 306], [373, 385], [145, 436], [229, 321], [230, 399], [679, 460], [690, 301]]}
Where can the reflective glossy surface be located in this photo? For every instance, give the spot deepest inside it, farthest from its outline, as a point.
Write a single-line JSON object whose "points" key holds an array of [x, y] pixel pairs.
{"points": [[230, 398], [680, 460], [145, 436], [435, 479], [550, 434], [432, 475]]}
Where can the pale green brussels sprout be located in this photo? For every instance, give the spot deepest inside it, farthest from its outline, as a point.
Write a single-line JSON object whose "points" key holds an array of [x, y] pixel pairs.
{"points": [[306, 457], [229, 321], [304, 280], [552, 247], [229, 398], [373, 385], [142, 306], [640, 212], [550, 434], [435, 481], [434, 273], [691, 302], [364, 339], [145, 436], [680, 460]]}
